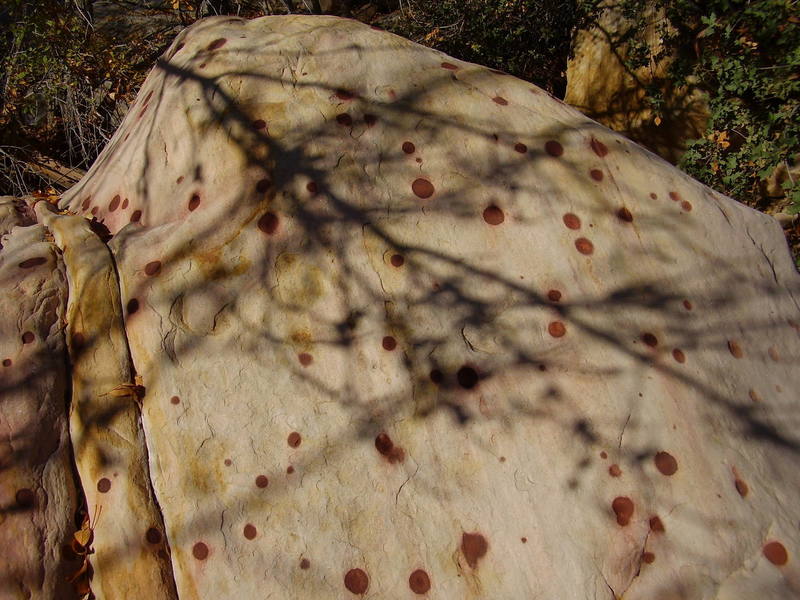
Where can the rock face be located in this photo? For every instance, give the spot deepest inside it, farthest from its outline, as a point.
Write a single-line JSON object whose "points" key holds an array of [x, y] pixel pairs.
{"points": [[374, 322]]}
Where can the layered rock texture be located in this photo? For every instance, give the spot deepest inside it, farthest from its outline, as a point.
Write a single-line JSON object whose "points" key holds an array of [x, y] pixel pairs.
{"points": [[346, 317]]}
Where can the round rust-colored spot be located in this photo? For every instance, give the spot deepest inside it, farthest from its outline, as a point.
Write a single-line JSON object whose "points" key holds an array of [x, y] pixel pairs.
{"points": [[584, 246], [356, 581], [650, 340], [500, 100], [294, 439], [419, 582], [305, 563], [554, 295], [32, 262], [194, 201], [25, 498], [599, 147], [553, 148], [754, 395], [289, 469], [773, 354], [262, 185], [344, 94], [305, 358], [775, 552], [686, 205], [520, 147], [656, 525], [557, 329], [262, 481], [124, 204], [436, 376], [7, 362], [674, 196], [175, 400], [28, 337], [250, 531], [422, 188], [666, 463], [474, 546], [467, 377], [623, 214], [735, 349], [132, 306], [104, 485], [384, 444], [268, 223], [678, 355], [493, 215], [596, 174], [228, 462], [389, 343], [687, 305], [114, 204], [152, 268], [312, 188], [741, 487], [153, 536], [95, 210], [218, 43], [397, 260], [572, 221], [648, 557], [86, 203], [623, 509], [524, 540], [344, 119], [449, 66], [136, 216], [603, 454], [614, 470], [408, 148], [259, 124], [200, 551]]}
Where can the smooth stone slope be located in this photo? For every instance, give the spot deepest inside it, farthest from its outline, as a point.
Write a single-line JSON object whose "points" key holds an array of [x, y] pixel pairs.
{"points": [[411, 327]]}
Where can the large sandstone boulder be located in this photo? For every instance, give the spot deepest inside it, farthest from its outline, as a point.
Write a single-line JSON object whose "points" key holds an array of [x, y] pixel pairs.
{"points": [[374, 322]]}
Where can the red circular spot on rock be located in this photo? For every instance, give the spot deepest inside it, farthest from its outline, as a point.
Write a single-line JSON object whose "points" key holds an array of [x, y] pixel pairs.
{"points": [[228, 462], [520, 147], [262, 185], [436, 376], [344, 95], [554, 295], [290, 469], [754, 396], [422, 188], [500, 100], [305, 563], [735, 349], [259, 124], [7, 362], [599, 147], [524, 540], [625, 215], [384, 444], [474, 547], [741, 487], [674, 196], [687, 305], [557, 329], [152, 268], [294, 439], [467, 377], [656, 525], [653, 195], [153, 536], [648, 557], [311, 186], [666, 463], [623, 509], [32, 262], [408, 148], [389, 343], [28, 337], [194, 201], [493, 215], [596, 174], [95, 210], [356, 581], [200, 551], [104, 485], [686, 205], [397, 260], [553, 148], [370, 120], [268, 223], [584, 246], [650, 339], [604, 455], [25, 498], [175, 400], [305, 358], [775, 552], [678, 355], [114, 204], [449, 66], [136, 216], [86, 203], [262, 481], [218, 43], [250, 531], [614, 471], [419, 582], [133, 306], [344, 119], [572, 221], [124, 204]]}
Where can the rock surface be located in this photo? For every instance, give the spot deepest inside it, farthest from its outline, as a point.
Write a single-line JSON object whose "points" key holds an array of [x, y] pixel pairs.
{"points": [[407, 327]]}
